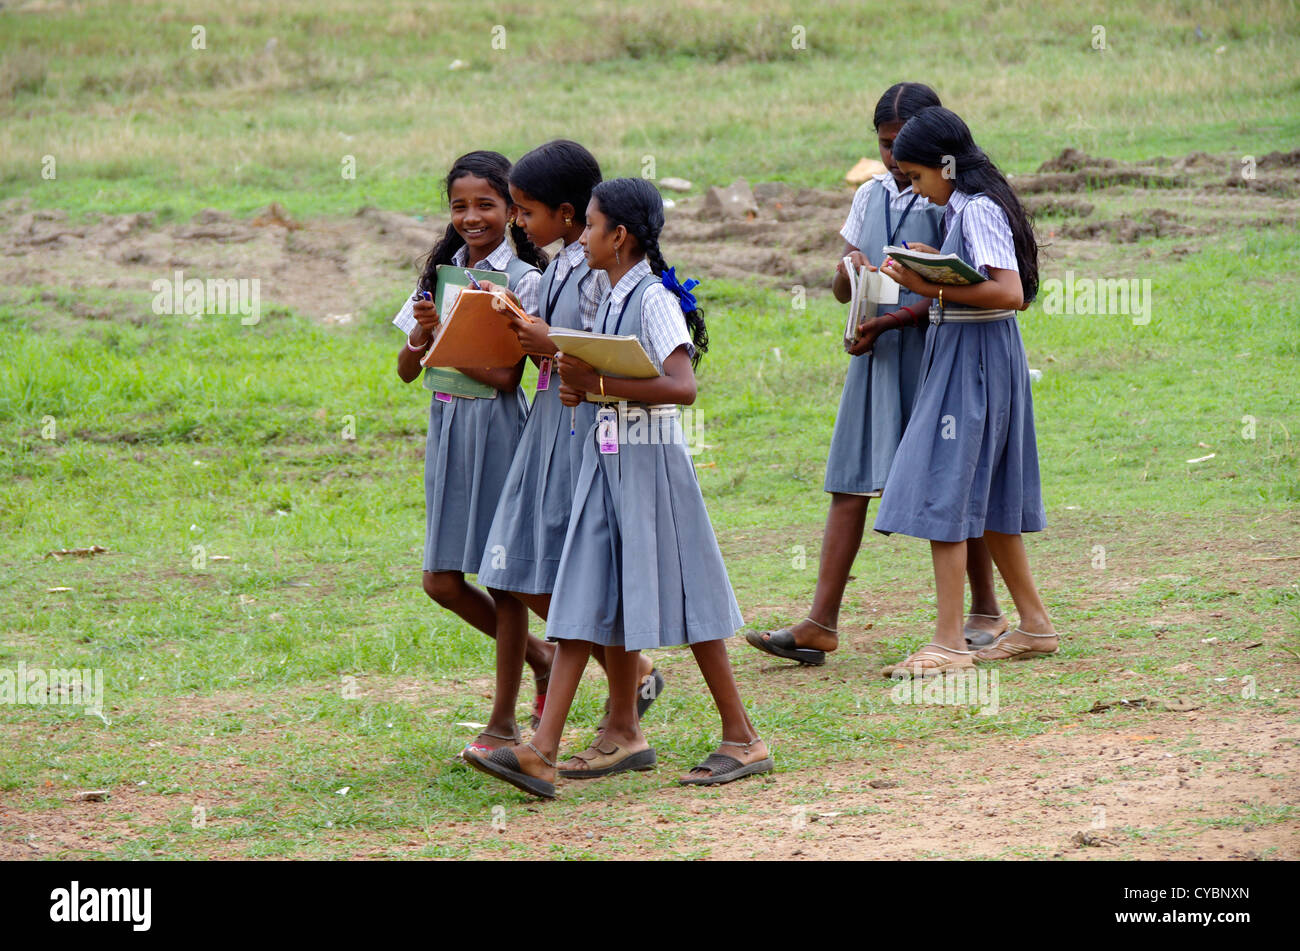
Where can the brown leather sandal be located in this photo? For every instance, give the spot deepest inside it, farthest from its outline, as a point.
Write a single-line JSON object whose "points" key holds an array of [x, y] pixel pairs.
{"points": [[605, 758]]}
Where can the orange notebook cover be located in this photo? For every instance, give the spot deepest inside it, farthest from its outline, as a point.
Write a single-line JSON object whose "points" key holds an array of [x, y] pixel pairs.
{"points": [[474, 334]]}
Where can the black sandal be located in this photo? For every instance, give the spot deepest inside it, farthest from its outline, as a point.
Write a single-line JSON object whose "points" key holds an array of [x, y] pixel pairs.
{"points": [[502, 764], [725, 769], [652, 682], [781, 644]]}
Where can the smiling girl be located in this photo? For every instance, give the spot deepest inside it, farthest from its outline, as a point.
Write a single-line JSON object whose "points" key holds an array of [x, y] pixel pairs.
{"points": [[471, 440]]}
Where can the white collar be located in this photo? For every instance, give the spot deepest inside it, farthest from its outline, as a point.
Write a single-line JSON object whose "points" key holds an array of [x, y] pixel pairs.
{"points": [[570, 256], [495, 261], [891, 186], [629, 281]]}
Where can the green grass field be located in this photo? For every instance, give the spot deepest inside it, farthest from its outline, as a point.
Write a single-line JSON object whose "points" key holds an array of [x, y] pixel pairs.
{"points": [[259, 488]]}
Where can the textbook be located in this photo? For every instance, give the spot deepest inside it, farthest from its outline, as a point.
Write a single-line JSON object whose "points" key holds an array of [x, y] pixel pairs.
{"points": [[939, 268], [450, 281], [867, 289], [610, 354]]}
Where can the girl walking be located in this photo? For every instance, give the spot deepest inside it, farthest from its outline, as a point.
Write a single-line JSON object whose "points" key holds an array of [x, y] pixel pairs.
{"points": [[967, 466], [471, 439], [640, 567]]}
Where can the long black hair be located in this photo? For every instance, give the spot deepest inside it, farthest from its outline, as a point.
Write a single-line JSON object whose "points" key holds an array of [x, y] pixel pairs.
{"points": [[559, 171], [901, 101], [637, 205], [493, 168], [936, 136]]}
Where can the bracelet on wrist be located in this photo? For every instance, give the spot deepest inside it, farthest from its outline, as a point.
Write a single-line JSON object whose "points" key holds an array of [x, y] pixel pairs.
{"points": [[419, 349]]}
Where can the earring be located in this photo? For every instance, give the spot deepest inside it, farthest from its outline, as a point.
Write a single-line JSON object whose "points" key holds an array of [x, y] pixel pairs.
{"points": [[568, 222], [617, 261]]}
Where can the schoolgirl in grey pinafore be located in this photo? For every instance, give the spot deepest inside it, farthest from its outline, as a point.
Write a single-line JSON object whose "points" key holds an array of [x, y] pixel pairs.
{"points": [[467, 454], [881, 385], [641, 567], [527, 534], [968, 461]]}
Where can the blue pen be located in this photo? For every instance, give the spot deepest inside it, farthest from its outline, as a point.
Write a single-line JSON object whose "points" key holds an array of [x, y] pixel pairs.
{"points": [[473, 283], [906, 246]]}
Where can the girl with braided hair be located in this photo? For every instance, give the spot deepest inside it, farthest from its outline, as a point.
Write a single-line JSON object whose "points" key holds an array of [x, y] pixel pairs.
{"points": [[640, 568], [472, 439]]}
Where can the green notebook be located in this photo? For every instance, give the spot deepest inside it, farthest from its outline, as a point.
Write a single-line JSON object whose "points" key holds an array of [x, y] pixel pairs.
{"points": [[446, 379], [937, 268]]}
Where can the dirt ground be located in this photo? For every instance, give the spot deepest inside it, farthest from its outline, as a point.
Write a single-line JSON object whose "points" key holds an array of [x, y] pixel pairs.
{"points": [[1178, 785], [333, 268]]}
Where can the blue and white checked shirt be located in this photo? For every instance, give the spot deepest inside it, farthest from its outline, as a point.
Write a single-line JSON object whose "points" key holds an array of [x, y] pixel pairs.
{"points": [[986, 231], [662, 322]]}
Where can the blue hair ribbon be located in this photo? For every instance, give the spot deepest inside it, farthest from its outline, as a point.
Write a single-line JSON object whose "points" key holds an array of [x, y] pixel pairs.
{"points": [[683, 292]]}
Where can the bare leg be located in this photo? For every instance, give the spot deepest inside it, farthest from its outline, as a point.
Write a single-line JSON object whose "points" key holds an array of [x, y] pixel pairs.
{"points": [[985, 613], [622, 725], [566, 674], [1009, 555], [540, 604], [950, 593], [711, 656], [477, 608], [845, 522], [512, 642]]}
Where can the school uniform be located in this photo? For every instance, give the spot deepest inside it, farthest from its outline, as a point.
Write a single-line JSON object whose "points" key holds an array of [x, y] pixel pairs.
{"points": [[968, 462], [641, 567], [523, 546], [469, 446], [880, 386]]}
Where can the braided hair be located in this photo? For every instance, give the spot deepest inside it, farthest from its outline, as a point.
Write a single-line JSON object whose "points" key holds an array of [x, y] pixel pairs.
{"points": [[493, 168], [936, 136], [637, 205]]}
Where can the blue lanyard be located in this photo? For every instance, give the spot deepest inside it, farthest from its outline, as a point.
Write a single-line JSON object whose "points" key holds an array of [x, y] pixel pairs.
{"points": [[890, 231], [622, 310], [552, 298]]}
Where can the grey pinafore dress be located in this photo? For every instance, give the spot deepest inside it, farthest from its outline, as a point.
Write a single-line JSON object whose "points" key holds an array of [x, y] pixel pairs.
{"points": [[880, 386], [968, 461], [641, 567], [467, 454], [527, 535]]}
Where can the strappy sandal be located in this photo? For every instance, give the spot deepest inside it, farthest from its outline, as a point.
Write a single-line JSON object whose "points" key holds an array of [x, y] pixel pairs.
{"points": [[605, 758], [912, 665], [478, 747], [725, 769], [502, 764], [976, 637], [1015, 651], [781, 644]]}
